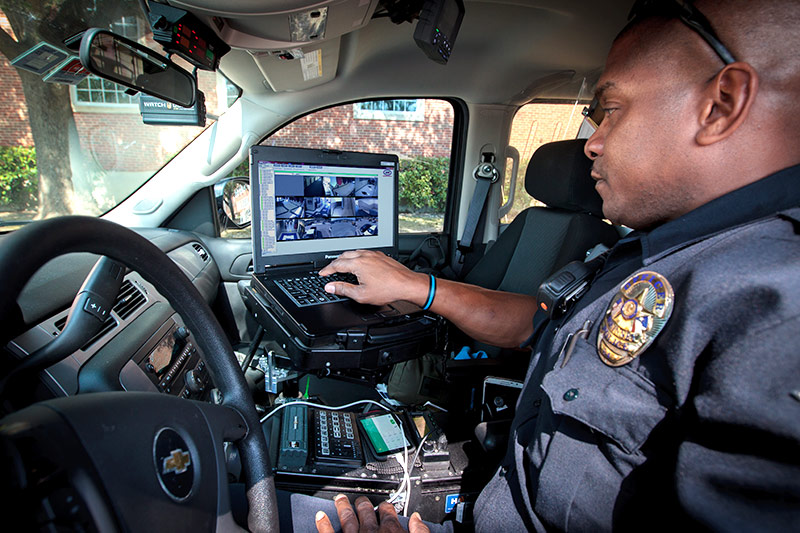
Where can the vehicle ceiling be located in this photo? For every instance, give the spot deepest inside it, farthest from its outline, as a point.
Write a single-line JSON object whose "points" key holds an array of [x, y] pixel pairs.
{"points": [[507, 52]]}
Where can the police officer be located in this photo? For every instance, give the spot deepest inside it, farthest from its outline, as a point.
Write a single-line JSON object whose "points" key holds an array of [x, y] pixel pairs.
{"points": [[671, 391]]}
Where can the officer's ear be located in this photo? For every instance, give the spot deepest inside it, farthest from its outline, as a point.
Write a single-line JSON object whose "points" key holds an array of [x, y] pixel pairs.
{"points": [[726, 102]]}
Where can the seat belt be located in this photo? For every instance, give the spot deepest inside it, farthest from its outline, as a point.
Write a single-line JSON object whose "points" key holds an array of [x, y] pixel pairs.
{"points": [[486, 174]]}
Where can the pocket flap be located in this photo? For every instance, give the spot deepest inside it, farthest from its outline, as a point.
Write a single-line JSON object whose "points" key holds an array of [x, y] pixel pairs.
{"points": [[618, 402]]}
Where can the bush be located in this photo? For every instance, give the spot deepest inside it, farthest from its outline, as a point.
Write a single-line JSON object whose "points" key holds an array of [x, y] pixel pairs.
{"points": [[19, 184], [423, 184]]}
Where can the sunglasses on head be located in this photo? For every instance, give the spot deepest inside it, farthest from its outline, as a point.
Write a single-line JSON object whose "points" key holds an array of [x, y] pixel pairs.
{"points": [[684, 11]]}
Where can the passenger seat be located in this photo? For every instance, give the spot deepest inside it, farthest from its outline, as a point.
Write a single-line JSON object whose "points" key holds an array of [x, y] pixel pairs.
{"points": [[540, 240]]}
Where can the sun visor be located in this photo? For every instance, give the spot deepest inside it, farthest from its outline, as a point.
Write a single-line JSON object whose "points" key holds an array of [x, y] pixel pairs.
{"points": [[295, 69]]}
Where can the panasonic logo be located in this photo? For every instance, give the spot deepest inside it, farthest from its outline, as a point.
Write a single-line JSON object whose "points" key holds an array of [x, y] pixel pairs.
{"points": [[331, 257]]}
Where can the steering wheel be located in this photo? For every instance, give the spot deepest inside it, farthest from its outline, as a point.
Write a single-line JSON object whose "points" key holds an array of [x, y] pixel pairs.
{"points": [[127, 460]]}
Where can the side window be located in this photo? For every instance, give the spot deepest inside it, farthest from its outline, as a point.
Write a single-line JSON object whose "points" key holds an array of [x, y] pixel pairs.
{"points": [[419, 131], [534, 125]]}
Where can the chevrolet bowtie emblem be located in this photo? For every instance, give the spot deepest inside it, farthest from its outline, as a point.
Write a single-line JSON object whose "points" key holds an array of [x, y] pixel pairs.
{"points": [[177, 462], [635, 316]]}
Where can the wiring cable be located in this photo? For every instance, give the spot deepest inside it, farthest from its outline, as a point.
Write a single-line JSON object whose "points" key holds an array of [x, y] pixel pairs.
{"points": [[320, 406]]}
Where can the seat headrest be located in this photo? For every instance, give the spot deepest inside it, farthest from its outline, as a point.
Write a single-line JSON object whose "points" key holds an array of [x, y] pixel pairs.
{"points": [[559, 175]]}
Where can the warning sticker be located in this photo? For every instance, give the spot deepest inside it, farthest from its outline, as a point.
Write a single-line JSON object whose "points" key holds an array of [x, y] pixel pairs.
{"points": [[311, 65], [70, 72]]}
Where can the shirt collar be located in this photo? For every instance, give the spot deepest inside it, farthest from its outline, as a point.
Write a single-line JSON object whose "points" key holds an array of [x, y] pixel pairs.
{"points": [[762, 198]]}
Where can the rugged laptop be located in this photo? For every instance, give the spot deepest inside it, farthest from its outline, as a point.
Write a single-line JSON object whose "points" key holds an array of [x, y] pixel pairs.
{"points": [[309, 206]]}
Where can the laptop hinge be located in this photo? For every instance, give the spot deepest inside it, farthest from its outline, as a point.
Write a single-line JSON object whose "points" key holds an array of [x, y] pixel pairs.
{"points": [[352, 339]]}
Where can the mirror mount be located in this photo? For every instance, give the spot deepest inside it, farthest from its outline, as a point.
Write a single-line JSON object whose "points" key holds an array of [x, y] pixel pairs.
{"points": [[132, 65]]}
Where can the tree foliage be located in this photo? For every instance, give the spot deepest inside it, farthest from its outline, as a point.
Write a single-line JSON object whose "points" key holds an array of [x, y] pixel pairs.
{"points": [[19, 185], [423, 184]]}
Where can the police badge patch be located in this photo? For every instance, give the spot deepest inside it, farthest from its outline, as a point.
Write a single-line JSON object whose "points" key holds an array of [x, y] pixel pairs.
{"points": [[635, 316]]}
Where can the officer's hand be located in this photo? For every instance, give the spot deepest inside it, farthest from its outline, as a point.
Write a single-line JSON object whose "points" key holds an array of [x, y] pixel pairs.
{"points": [[365, 521], [381, 279]]}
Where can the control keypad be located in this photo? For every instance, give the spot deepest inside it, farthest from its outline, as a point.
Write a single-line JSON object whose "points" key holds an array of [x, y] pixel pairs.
{"points": [[336, 439]]}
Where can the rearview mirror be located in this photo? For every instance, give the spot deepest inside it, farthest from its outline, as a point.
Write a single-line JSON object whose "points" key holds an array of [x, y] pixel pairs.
{"points": [[133, 65]]}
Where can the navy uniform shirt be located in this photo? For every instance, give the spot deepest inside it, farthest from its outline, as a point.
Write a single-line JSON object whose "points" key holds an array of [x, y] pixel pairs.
{"points": [[704, 426]]}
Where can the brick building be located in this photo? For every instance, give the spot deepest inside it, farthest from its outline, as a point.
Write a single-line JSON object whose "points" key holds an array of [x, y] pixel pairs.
{"points": [[424, 132]]}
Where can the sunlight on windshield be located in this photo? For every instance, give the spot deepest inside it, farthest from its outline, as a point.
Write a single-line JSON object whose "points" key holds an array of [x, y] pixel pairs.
{"points": [[83, 148]]}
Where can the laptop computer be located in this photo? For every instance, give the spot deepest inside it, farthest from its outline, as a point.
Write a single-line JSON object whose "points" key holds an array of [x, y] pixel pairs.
{"points": [[309, 206]]}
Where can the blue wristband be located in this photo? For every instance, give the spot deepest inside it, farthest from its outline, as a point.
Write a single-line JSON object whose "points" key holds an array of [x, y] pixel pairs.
{"points": [[431, 294]]}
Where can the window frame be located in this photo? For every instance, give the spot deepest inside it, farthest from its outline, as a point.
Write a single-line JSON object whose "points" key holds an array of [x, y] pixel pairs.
{"points": [[101, 107], [575, 114]]}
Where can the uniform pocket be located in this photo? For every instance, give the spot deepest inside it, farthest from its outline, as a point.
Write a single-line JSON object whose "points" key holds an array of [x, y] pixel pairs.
{"points": [[617, 402]]}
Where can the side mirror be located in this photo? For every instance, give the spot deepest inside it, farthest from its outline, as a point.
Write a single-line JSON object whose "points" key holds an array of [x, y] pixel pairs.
{"points": [[233, 203], [135, 66]]}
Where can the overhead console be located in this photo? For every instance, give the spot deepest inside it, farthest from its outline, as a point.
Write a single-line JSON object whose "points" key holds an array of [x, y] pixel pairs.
{"points": [[281, 24], [296, 43]]}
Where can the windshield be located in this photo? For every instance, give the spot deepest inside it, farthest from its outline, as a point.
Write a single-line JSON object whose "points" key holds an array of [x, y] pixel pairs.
{"points": [[71, 143]]}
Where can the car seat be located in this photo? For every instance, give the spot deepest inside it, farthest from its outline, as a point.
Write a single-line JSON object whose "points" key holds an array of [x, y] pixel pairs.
{"points": [[541, 240]]}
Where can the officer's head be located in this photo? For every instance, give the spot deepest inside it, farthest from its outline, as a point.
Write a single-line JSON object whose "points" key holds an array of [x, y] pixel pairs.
{"points": [[692, 114]]}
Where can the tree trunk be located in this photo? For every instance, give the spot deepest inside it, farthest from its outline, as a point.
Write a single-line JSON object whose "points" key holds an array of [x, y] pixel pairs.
{"points": [[51, 120]]}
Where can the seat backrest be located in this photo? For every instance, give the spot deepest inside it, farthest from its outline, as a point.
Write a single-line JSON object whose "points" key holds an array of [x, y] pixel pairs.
{"points": [[540, 240]]}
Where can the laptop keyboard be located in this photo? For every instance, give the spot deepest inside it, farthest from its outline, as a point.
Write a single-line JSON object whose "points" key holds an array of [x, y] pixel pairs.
{"points": [[309, 289]]}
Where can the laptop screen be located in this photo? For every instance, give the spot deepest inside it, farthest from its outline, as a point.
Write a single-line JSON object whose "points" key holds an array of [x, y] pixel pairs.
{"points": [[312, 205]]}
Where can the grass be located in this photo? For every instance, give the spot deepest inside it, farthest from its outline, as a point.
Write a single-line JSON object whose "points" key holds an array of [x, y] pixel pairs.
{"points": [[421, 222]]}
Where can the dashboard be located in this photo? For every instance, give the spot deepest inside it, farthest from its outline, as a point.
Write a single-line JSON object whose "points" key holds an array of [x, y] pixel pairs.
{"points": [[143, 344]]}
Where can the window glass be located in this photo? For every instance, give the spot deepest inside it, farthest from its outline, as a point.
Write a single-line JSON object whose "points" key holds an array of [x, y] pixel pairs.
{"points": [[111, 151], [534, 125], [423, 145], [128, 26], [97, 91]]}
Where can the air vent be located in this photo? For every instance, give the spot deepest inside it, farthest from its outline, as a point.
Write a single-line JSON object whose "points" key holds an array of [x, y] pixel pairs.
{"points": [[200, 251], [129, 299], [108, 325]]}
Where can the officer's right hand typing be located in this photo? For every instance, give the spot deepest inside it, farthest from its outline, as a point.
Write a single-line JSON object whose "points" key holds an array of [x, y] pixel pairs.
{"points": [[381, 279]]}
